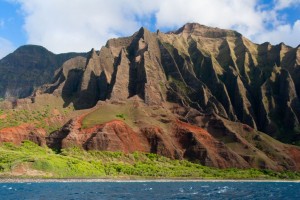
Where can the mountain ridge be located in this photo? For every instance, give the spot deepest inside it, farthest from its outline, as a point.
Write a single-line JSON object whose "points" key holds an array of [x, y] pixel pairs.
{"points": [[198, 93], [35, 64]]}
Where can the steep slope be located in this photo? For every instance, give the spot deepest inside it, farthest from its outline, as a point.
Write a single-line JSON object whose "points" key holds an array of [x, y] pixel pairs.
{"points": [[135, 126], [199, 93], [28, 68], [240, 80], [124, 68], [213, 70]]}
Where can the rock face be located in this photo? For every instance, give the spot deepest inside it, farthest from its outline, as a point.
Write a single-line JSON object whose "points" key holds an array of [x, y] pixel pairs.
{"points": [[111, 136], [210, 69], [18, 134], [27, 68], [185, 141], [199, 93]]}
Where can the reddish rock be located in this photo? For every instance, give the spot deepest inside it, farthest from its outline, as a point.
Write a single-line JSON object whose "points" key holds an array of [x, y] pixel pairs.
{"points": [[23, 132], [294, 153], [161, 143], [199, 146], [114, 136], [111, 136], [242, 148], [185, 141]]}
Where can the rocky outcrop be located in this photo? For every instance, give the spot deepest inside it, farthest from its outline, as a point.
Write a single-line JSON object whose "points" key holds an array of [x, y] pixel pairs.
{"points": [[209, 140], [257, 149], [18, 134], [185, 141], [199, 146], [111, 136]]}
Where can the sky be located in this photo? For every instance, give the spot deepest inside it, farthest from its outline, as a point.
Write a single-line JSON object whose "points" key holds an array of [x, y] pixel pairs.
{"points": [[80, 25]]}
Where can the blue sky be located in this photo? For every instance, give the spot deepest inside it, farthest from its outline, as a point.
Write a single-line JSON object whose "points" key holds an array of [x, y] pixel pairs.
{"points": [[79, 25]]}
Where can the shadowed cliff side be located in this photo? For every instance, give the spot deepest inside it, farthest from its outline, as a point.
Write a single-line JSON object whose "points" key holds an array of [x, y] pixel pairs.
{"points": [[28, 68]]}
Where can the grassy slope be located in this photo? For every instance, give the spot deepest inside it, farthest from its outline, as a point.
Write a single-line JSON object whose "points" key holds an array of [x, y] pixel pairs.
{"points": [[130, 112], [76, 163], [47, 112]]}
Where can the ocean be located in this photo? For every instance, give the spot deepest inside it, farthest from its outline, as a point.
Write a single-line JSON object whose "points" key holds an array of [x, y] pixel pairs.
{"points": [[150, 190]]}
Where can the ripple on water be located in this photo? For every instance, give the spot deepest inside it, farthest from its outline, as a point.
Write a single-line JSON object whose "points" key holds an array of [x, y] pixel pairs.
{"points": [[150, 190]]}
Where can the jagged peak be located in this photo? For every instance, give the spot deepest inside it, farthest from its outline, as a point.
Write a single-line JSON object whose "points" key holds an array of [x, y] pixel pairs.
{"points": [[92, 54], [142, 32], [280, 45], [266, 44], [143, 29]]}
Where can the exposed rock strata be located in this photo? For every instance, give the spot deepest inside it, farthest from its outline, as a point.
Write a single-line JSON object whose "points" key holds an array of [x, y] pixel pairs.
{"points": [[248, 149], [18, 134]]}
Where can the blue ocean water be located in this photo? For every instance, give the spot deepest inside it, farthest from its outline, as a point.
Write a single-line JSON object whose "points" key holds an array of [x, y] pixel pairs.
{"points": [[150, 190]]}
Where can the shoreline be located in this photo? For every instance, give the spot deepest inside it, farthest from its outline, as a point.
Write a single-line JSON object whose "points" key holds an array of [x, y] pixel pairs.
{"points": [[120, 180]]}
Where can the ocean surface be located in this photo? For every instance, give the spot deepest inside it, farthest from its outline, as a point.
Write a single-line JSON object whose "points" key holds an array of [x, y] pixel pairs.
{"points": [[150, 190]]}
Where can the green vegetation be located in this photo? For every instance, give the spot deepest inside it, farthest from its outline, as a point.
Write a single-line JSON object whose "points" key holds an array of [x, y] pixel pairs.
{"points": [[77, 163], [131, 113], [122, 116], [37, 117], [112, 112]]}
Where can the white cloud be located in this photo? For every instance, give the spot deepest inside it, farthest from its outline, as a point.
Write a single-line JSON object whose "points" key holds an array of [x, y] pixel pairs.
{"points": [[282, 4], [245, 16], [286, 33], [242, 15], [78, 25], [62, 25], [6, 47]]}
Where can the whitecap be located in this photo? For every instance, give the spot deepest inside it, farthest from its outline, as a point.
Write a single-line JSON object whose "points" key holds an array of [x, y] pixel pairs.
{"points": [[223, 190]]}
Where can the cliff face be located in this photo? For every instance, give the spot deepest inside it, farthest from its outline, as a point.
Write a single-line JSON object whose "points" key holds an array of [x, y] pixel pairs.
{"points": [[199, 93], [213, 70], [28, 68]]}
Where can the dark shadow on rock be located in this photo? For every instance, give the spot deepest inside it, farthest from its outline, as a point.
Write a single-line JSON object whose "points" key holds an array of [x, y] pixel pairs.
{"points": [[89, 97], [71, 86], [54, 140]]}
